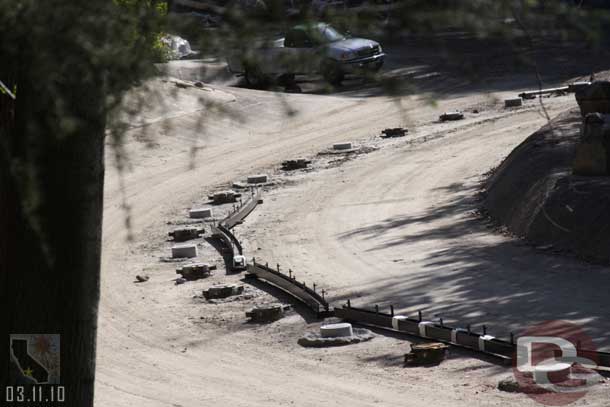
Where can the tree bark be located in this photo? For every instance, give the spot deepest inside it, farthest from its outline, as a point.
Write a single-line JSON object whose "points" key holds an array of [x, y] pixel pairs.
{"points": [[51, 201]]}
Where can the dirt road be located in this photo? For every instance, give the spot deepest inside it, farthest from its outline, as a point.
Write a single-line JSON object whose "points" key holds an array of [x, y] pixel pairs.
{"points": [[392, 226]]}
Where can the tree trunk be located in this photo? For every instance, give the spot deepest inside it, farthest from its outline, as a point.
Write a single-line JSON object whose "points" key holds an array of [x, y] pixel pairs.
{"points": [[51, 201]]}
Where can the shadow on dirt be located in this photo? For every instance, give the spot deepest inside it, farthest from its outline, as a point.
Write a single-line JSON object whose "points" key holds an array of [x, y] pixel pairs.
{"points": [[501, 283]]}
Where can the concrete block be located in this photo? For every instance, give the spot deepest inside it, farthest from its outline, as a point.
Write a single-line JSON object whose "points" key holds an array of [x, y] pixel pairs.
{"points": [[509, 384], [186, 233], [342, 146], [223, 291], [239, 185], [454, 115], [267, 313], [184, 251], [194, 271], [257, 179], [316, 340], [200, 213], [426, 354], [221, 197], [295, 164], [394, 132], [515, 102], [336, 330]]}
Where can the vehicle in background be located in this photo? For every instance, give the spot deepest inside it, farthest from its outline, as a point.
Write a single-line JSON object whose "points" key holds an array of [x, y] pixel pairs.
{"points": [[308, 49]]}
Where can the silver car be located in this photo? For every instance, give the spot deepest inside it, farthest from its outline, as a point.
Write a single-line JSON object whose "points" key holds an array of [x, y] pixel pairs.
{"points": [[308, 49]]}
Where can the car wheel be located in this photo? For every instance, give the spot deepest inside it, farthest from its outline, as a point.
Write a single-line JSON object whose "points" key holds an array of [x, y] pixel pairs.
{"points": [[378, 66], [332, 72], [286, 79], [254, 77]]}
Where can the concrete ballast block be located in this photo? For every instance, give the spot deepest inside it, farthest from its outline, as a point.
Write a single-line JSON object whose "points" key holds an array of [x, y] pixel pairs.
{"points": [[336, 330], [223, 291], [182, 251], [342, 146], [454, 115], [394, 132], [195, 271], [423, 354], [295, 164], [224, 197], [200, 213], [515, 102], [267, 313], [257, 179], [186, 233]]}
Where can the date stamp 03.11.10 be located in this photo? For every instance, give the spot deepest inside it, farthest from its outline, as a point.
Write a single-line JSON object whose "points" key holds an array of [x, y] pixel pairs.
{"points": [[34, 371]]}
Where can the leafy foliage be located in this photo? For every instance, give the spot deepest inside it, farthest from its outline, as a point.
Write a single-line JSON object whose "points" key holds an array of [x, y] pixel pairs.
{"points": [[72, 63]]}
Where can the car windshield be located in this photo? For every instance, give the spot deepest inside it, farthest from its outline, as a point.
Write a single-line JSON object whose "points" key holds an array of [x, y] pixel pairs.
{"points": [[327, 34]]}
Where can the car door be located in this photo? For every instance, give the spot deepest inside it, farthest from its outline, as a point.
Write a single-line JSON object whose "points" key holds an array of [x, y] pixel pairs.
{"points": [[300, 52]]}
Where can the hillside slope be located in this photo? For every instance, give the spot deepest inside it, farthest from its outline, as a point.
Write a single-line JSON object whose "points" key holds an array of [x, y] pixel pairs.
{"points": [[535, 194]]}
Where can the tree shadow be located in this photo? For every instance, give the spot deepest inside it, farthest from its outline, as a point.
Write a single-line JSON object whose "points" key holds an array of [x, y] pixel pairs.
{"points": [[463, 199], [480, 278]]}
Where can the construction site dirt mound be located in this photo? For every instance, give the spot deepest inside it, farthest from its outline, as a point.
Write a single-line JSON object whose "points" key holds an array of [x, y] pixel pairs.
{"points": [[535, 194]]}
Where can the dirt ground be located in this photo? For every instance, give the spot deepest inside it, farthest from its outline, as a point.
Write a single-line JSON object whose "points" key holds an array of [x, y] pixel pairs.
{"points": [[393, 226]]}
